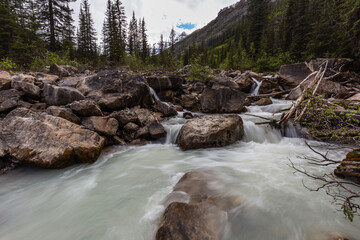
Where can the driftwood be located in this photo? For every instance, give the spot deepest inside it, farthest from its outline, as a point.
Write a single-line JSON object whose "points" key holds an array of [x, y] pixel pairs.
{"points": [[270, 94], [319, 75]]}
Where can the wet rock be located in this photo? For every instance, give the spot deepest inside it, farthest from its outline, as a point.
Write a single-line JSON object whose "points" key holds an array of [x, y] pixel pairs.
{"points": [[119, 141], [61, 95], [156, 130], [349, 168], [210, 131], [160, 83], [30, 90], [190, 102], [294, 73], [85, 108], [64, 113], [125, 116], [220, 99], [139, 142], [179, 108], [269, 86], [101, 125], [5, 80], [116, 90], [165, 108], [245, 83], [196, 208], [263, 102], [145, 117], [62, 70], [142, 133], [9, 100], [188, 115], [46, 141]]}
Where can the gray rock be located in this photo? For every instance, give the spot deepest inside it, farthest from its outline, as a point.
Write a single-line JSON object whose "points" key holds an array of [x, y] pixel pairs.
{"points": [[61, 95], [125, 116], [165, 108], [46, 141], [30, 90], [85, 108], [156, 130], [101, 125], [62, 112], [171, 82], [131, 127], [294, 73], [9, 100], [210, 131], [62, 70], [24, 78]]}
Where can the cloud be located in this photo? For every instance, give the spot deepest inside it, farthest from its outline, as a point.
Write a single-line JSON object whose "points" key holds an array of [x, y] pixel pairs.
{"points": [[160, 15], [186, 26]]}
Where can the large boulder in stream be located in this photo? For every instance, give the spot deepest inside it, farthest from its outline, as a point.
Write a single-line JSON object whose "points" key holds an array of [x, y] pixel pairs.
{"points": [[210, 131], [349, 168], [160, 83], [294, 73], [58, 96], [197, 209], [46, 141], [223, 96]]}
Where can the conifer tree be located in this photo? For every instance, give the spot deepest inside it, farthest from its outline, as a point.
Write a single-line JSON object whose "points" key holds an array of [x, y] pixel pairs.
{"points": [[133, 35], [54, 15], [144, 42], [86, 37]]}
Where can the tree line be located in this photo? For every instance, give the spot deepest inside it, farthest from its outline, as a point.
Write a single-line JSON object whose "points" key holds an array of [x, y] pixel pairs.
{"points": [[273, 33], [36, 32]]}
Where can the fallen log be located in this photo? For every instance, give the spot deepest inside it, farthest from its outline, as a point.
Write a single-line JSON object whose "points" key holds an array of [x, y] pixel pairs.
{"points": [[270, 94]]}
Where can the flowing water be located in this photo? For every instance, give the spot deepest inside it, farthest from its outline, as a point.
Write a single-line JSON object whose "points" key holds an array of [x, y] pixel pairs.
{"points": [[121, 195]]}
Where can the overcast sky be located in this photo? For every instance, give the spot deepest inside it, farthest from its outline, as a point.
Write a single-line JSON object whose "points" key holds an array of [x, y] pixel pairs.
{"points": [[161, 15]]}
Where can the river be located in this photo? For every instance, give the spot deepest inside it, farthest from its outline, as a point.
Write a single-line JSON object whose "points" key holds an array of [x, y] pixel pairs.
{"points": [[121, 195]]}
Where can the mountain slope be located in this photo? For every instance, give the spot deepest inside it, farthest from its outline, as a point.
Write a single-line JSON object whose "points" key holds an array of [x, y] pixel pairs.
{"points": [[227, 18]]}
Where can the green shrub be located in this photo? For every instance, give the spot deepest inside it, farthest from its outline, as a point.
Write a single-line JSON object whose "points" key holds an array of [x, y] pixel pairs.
{"points": [[7, 64], [198, 71], [50, 58]]}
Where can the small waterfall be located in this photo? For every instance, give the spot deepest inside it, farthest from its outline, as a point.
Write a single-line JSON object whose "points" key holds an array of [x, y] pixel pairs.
{"points": [[172, 133], [152, 91], [260, 133], [256, 87]]}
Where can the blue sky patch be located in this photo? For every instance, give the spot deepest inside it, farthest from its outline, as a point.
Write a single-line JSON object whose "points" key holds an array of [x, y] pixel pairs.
{"points": [[187, 26]]}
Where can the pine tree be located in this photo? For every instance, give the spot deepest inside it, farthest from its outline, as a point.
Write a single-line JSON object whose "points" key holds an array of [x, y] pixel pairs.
{"points": [[54, 15], [161, 50], [172, 38], [133, 35], [144, 42], [86, 37]]}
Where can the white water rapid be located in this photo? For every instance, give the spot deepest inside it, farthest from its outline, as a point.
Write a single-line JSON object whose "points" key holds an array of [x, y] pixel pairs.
{"points": [[121, 196], [256, 87]]}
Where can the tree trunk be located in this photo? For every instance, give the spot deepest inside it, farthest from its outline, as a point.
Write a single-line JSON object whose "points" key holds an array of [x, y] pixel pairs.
{"points": [[52, 26]]}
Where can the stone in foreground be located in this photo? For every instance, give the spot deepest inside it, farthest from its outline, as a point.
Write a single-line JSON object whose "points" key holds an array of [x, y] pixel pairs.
{"points": [[211, 131], [197, 209], [46, 141]]}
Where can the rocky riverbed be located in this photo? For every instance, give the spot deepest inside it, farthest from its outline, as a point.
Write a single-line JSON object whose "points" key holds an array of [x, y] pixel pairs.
{"points": [[62, 118]]}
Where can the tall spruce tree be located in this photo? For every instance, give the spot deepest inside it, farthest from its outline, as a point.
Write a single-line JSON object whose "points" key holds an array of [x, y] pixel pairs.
{"points": [[54, 15], [133, 35], [86, 36], [144, 42]]}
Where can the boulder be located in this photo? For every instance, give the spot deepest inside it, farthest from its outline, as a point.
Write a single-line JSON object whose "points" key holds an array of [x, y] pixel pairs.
{"points": [[46, 141], [62, 70], [101, 125], [165, 108], [9, 100], [145, 117], [71, 81], [188, 115], [269, 85], [47, 78], [64, 113], [125, 116], [156, 130], [197, 209], [29, 89], [85, 108], [5, 80], [160, 83], [294, 73], [222, 99], [131, 127], [210, 131], [356, 97], [24, 78], [349, 168], [59, 96], [114, 90], [190, 102], [245, 83], [263, 102]]}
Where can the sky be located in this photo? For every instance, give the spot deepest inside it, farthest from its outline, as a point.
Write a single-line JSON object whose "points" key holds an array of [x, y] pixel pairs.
{"points": [[161, 15]]}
